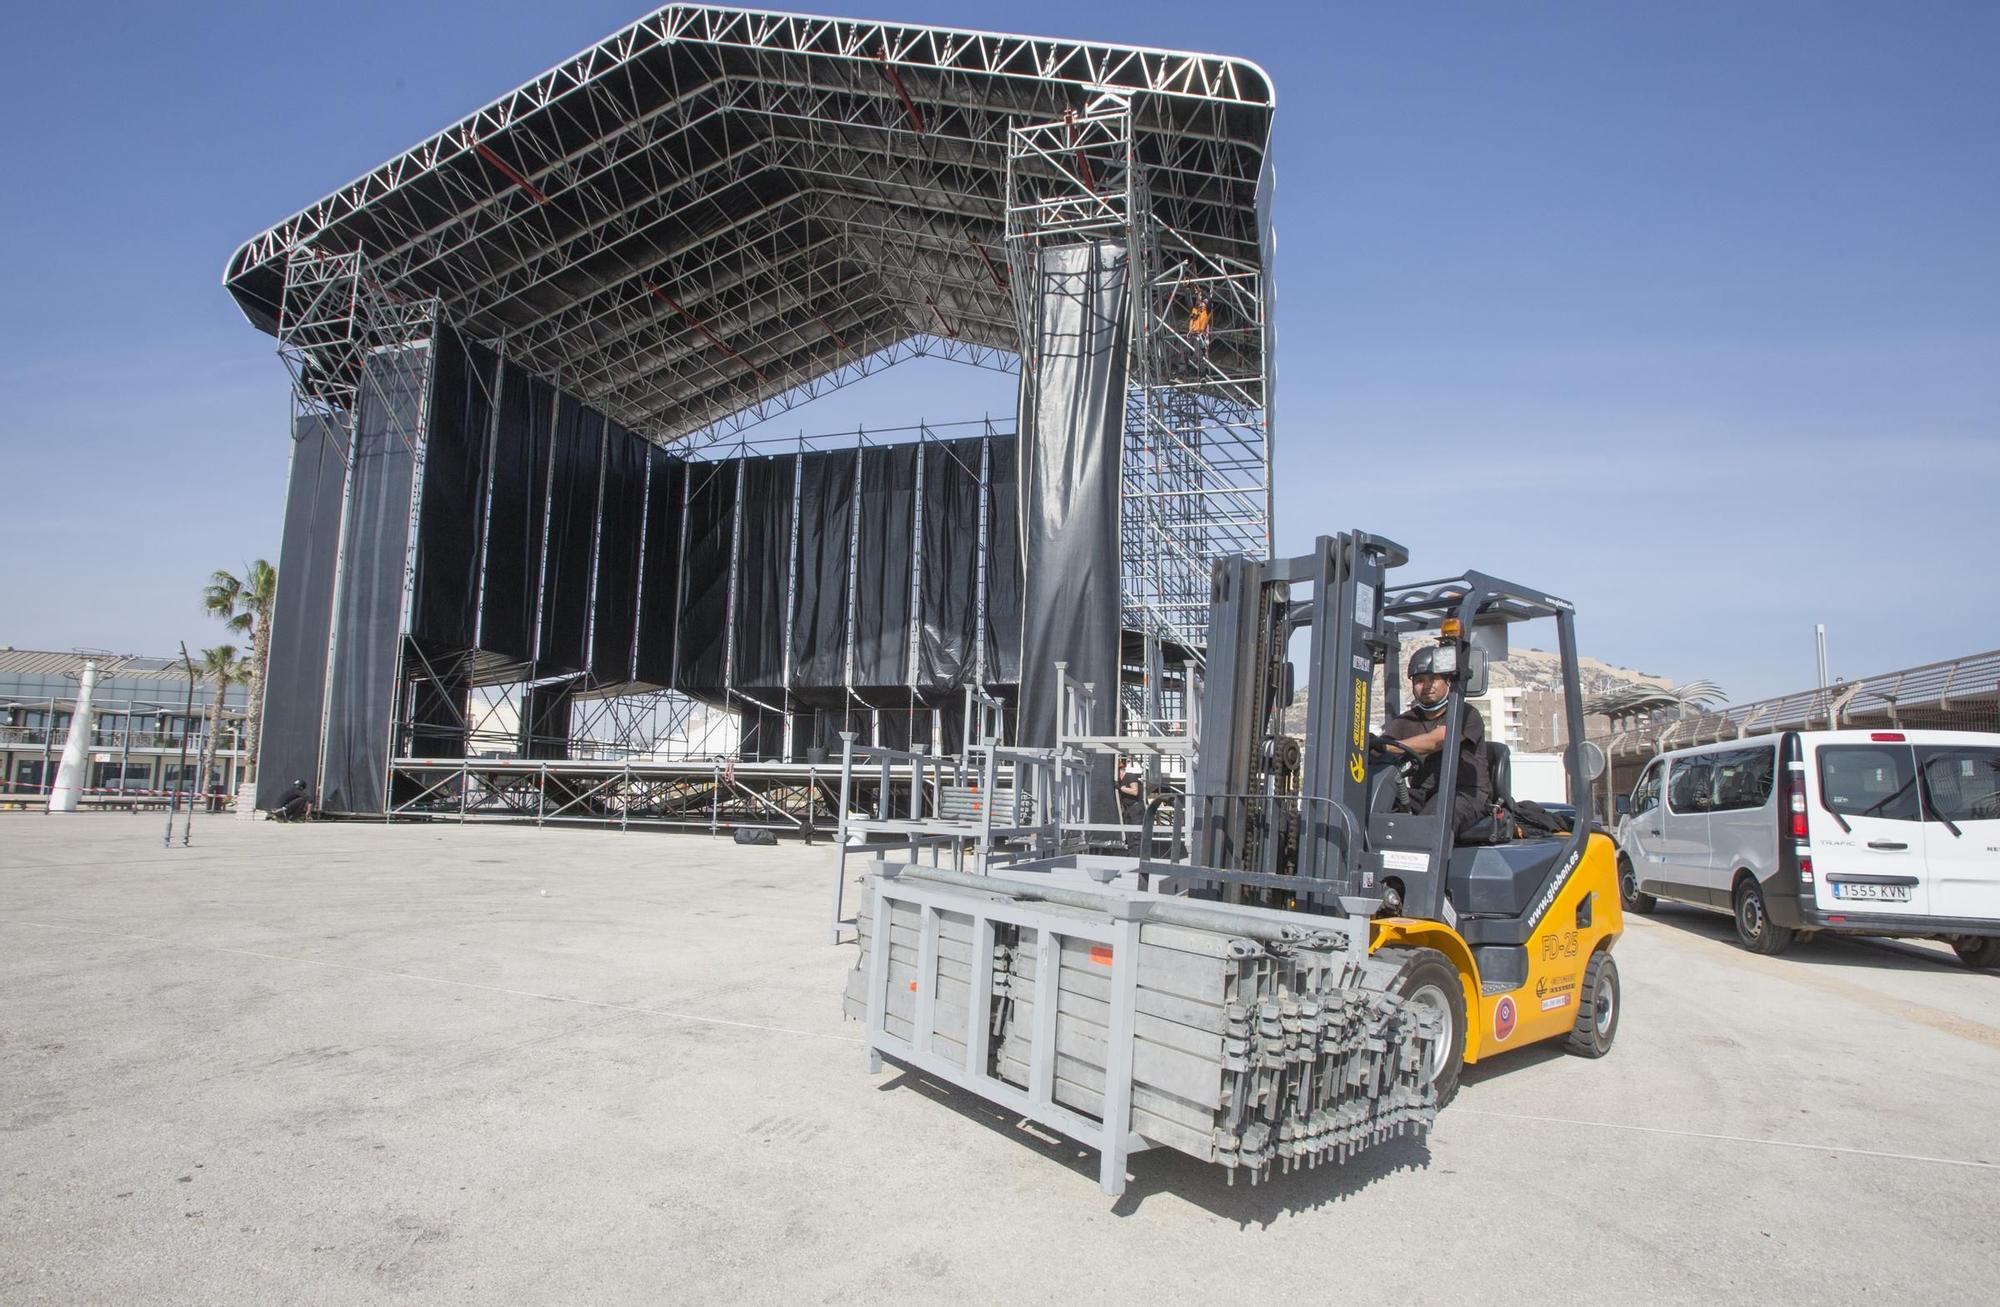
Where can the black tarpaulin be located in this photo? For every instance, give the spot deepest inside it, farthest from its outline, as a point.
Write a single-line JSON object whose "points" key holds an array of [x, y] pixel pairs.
{"points": [[621, 524], [295, 676], [882, 566], [437, 712], [545, 720], [892, 728], [763, 572], [660, 579], [1003, 563], [564, 641], [519, 502], [761, 735], [949, 585], [368, 611], [826, 527], [1072, 424], [451, 514], [704, 620], [818, 729]]}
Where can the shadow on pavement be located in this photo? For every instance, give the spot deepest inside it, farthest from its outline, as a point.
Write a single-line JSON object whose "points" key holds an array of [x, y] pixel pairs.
{"points": [[1825, 949], [1162, 1170]]}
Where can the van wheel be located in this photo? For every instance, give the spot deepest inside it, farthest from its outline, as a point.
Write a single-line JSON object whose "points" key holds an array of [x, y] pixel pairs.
{"points": [[1629, 893], [1753, 921], [1980, 952], [1429, 978], [1596, 1009]]}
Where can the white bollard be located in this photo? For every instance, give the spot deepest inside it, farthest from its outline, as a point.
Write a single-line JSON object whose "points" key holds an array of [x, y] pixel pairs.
{"points": [[70, 776]]}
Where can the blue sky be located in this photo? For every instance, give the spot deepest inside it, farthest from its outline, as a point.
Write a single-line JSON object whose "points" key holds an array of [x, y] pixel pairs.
{"points": [[1688, 312]]}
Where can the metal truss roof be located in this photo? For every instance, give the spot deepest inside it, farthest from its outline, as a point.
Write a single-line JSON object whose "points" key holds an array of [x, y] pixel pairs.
{"points": [[716, 213]]}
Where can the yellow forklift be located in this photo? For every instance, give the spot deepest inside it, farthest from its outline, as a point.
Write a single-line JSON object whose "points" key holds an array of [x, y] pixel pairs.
{"points": [[1502, 924]]}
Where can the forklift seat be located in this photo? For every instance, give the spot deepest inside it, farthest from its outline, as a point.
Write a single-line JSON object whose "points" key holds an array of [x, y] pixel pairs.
{"points": [[1500, 765], [1496, 827]]}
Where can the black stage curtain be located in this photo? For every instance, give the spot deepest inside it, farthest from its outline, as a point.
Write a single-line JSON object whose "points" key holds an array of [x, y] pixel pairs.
{"points": [[763, 572], [622, 520], [368, 612], [564, 643], [444, 604], [949, 586], [704, 618], [883, 562], [762, 737], [295, 681], [1072, 430], [818, 730], [519, 506], [1003, 563], [660, 580], [826, 534], [437, 712], [545, 720]]}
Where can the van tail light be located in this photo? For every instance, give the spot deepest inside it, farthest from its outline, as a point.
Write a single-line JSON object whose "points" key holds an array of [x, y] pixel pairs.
{"points": [[1792, 770], [1887, 737]]}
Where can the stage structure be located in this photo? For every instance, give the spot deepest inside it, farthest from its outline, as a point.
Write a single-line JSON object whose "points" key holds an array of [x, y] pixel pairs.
{"points": [[516, 526]]}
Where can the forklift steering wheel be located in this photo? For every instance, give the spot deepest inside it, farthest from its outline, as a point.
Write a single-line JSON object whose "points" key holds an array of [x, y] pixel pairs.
{"points": [[1402, 753]]}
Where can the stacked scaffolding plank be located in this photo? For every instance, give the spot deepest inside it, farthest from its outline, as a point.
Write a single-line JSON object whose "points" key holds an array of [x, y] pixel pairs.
{"points": [[1224, 1033]]}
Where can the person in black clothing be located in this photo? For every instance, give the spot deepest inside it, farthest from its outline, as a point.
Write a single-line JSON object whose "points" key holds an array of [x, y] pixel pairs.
{"points": [[295, 804], [1131, 793], [1420, 729]]}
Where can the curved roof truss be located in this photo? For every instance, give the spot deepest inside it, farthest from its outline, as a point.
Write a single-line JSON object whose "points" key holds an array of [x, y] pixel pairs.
{"points": [[716, 213]]}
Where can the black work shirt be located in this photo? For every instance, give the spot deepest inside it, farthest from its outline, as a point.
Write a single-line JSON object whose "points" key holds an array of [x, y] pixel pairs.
{"points": [[1474, 776]]}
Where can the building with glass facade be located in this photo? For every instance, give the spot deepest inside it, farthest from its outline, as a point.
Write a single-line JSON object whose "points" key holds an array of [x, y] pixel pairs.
{"points": [[140, 724]]}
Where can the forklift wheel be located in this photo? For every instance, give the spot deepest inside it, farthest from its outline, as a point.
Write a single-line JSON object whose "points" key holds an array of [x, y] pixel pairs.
{"points": [[1597, 1011], [1430, 978]]}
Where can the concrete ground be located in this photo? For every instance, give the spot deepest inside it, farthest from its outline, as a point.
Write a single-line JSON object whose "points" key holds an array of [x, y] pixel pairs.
{"points": [[350, 1064]]}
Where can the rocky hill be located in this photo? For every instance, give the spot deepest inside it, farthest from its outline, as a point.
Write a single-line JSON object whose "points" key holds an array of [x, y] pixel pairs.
{"points": [[1533, 669]]}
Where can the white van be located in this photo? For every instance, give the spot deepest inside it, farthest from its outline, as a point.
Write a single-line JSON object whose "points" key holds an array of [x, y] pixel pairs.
{"points": [[1865, 832]]}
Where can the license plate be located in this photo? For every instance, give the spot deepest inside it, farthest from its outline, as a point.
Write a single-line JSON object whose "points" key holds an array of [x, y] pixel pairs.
{"points": [[1879, 893]]}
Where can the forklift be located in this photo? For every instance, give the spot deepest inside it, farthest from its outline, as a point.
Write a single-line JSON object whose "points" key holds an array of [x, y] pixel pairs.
{"points": [[1504, 929]]}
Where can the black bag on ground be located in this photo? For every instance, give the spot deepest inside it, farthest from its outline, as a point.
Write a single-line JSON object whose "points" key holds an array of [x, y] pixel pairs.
{"points": [[755, 835]]}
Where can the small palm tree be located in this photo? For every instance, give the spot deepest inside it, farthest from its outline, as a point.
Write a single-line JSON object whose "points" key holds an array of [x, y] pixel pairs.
{"points": [[243, 604], [222, 668]]}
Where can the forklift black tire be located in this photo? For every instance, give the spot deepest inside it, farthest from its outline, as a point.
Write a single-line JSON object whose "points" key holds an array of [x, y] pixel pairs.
{"points": [[1980, 952], [1430, 978], [1754, 927], [1629, 893], [1597, 1008]]}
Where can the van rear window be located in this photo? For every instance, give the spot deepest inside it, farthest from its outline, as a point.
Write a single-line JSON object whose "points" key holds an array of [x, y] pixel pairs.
{"points": [[1961, 784], [1869, 780]]}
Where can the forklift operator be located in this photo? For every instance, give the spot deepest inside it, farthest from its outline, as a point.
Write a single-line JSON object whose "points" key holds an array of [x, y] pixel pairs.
{"points": [[1420, 730]]}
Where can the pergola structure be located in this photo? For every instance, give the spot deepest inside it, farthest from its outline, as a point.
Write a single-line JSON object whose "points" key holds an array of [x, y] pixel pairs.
{"points": [[717, 214]]}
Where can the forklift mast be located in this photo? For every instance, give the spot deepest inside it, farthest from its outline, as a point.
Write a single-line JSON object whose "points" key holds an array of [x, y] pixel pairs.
{"points": [[1263, 805], [1312, 821]]}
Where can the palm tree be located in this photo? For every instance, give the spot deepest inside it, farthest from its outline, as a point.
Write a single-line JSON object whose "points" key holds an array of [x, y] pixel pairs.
{"points": [[222, 668], [243, 604]]}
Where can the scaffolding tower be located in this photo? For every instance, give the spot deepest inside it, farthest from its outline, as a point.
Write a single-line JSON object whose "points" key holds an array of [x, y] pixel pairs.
{"points": [[1197, 451]]}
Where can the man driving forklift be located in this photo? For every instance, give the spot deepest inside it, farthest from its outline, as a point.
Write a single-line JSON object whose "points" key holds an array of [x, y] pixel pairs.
{"points": [[1416, 737]]}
